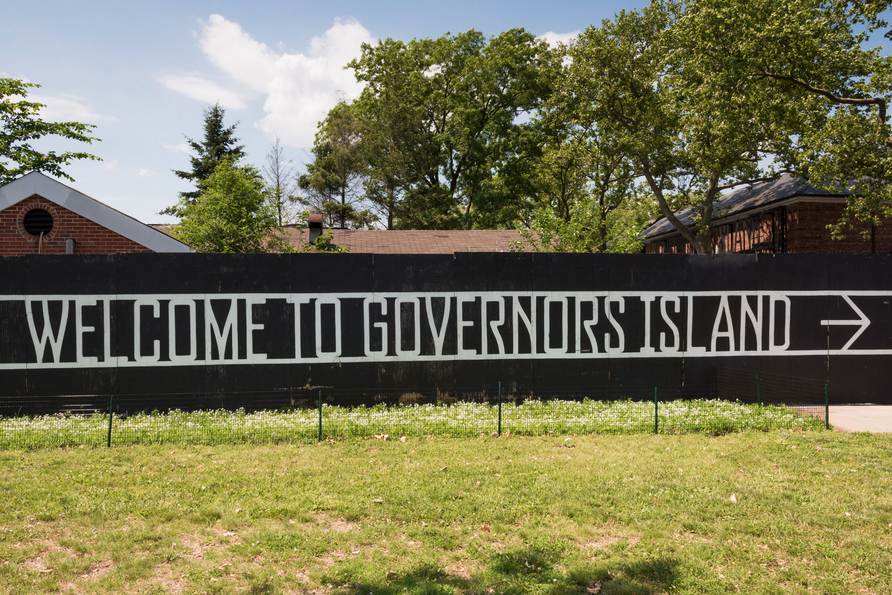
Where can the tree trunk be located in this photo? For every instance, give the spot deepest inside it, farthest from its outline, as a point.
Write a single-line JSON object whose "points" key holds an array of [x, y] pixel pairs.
{"points": [[664, 208]]}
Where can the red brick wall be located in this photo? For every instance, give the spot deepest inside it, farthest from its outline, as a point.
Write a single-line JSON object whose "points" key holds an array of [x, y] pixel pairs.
{"points": [[807, 231], [90, 237]]}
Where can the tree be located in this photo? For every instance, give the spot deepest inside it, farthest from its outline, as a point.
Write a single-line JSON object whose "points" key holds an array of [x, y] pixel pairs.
{"points": [[396, 151], [649, 85], [706, 95], [586, 229], [218, 145], [22, 124], [577, 182], [334, 180], [281, 181], [231, 214], [813, 52], [437, 160]]}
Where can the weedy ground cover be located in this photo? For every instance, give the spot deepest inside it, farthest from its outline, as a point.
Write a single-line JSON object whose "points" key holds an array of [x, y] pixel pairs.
{"points": [[811, 512], [463, 419]]}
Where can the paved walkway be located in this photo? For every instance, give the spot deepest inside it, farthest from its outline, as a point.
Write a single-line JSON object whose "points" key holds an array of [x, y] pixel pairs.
{"points": [[861, 418]]}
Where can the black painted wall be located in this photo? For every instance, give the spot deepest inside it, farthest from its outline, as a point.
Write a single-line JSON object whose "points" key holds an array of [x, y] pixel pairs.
{"points": [[821, 302]]}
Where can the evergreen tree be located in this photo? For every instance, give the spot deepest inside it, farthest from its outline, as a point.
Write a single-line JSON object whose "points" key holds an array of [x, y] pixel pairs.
{"points": [[219, 144]]}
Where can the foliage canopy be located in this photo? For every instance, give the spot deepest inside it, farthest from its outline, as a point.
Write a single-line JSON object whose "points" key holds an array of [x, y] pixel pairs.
{"points": [[441, 125], [21, 125], [705, 95], [232, 214]]}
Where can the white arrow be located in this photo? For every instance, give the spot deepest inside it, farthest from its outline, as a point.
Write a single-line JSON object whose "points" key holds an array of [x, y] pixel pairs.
{"points": [[863, 321]]}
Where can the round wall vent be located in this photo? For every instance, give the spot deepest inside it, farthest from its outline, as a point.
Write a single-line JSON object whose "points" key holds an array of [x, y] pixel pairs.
{"points": [[38, 221]]}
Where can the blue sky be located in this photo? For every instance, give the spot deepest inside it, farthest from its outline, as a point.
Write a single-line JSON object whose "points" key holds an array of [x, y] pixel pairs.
{"points": [[142, 72]]}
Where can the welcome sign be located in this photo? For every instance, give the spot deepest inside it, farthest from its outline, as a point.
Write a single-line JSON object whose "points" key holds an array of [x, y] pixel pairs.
{"points": [[76, 331], [193, 323]]}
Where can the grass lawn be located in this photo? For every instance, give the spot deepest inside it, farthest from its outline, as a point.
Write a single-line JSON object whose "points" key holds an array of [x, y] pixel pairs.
{"points": [[516, 515]]}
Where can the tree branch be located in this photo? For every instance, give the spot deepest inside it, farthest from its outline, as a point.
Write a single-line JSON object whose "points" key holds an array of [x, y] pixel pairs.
{"points": [[754, 180], [880, 102]]}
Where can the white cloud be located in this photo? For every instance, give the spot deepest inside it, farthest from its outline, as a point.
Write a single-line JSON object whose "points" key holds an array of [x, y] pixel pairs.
{"points": [[308, 85], [110, 165], [554, 39], [298, 89], [147, 173], [230, 49], [67, 108], [180, 148], [203, 89]]}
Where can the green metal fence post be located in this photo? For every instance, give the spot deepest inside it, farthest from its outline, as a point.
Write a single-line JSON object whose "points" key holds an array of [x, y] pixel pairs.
{"points": [[500, 408], [656, 413], [111, 401], [758, 392], [320, 416], [826, 407]]}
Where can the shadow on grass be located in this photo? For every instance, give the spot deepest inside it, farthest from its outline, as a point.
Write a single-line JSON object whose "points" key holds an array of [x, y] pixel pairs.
{"points": [[526, 571], [424, 579], [644, 577]]}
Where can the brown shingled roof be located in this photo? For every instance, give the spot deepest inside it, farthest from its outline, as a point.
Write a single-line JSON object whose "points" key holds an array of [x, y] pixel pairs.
{"points": [[415, 241]]}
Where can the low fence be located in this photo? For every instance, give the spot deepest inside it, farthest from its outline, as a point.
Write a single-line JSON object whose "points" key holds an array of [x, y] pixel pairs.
{"points": [[737, 401], [807, 396]]}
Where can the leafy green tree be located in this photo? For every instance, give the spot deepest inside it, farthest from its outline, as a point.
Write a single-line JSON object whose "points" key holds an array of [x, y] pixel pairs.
{"points": [[395, 146], [442, 115], [648, 85], [586, 229], [218, 145], [705, 95], [324, 244], [231, 214], [333, 182], [813, 53], [22, 124], [576, 182]]}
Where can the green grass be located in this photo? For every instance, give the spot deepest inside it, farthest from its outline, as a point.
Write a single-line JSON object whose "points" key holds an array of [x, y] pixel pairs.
{"points": [[639, 514], [531, 418]]}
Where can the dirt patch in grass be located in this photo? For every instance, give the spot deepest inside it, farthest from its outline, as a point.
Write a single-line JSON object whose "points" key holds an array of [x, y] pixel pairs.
{"points": [[37, 564], [602, 543], [195, 547], [98, 570], [462, 570], [336, 525], [82, 583], [609, 535], [167, 578], [41, 563]]}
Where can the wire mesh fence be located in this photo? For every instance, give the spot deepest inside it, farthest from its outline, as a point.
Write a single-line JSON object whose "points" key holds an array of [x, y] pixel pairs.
{"points": [[737, 401], [808, 397]]}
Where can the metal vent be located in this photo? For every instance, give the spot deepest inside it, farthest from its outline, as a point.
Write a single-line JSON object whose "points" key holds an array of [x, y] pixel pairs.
{"points": [[38, 221]]}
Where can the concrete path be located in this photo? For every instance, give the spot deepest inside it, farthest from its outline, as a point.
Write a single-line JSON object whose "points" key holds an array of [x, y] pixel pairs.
{"points": [[861, 418]]}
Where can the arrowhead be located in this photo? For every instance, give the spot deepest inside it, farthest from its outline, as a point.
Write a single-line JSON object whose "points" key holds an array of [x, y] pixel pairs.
{"points": [[863, 322]]}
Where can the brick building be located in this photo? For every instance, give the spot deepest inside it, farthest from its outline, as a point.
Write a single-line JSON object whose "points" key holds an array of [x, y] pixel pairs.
{"points": [[788, 215], [39, 215]]}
